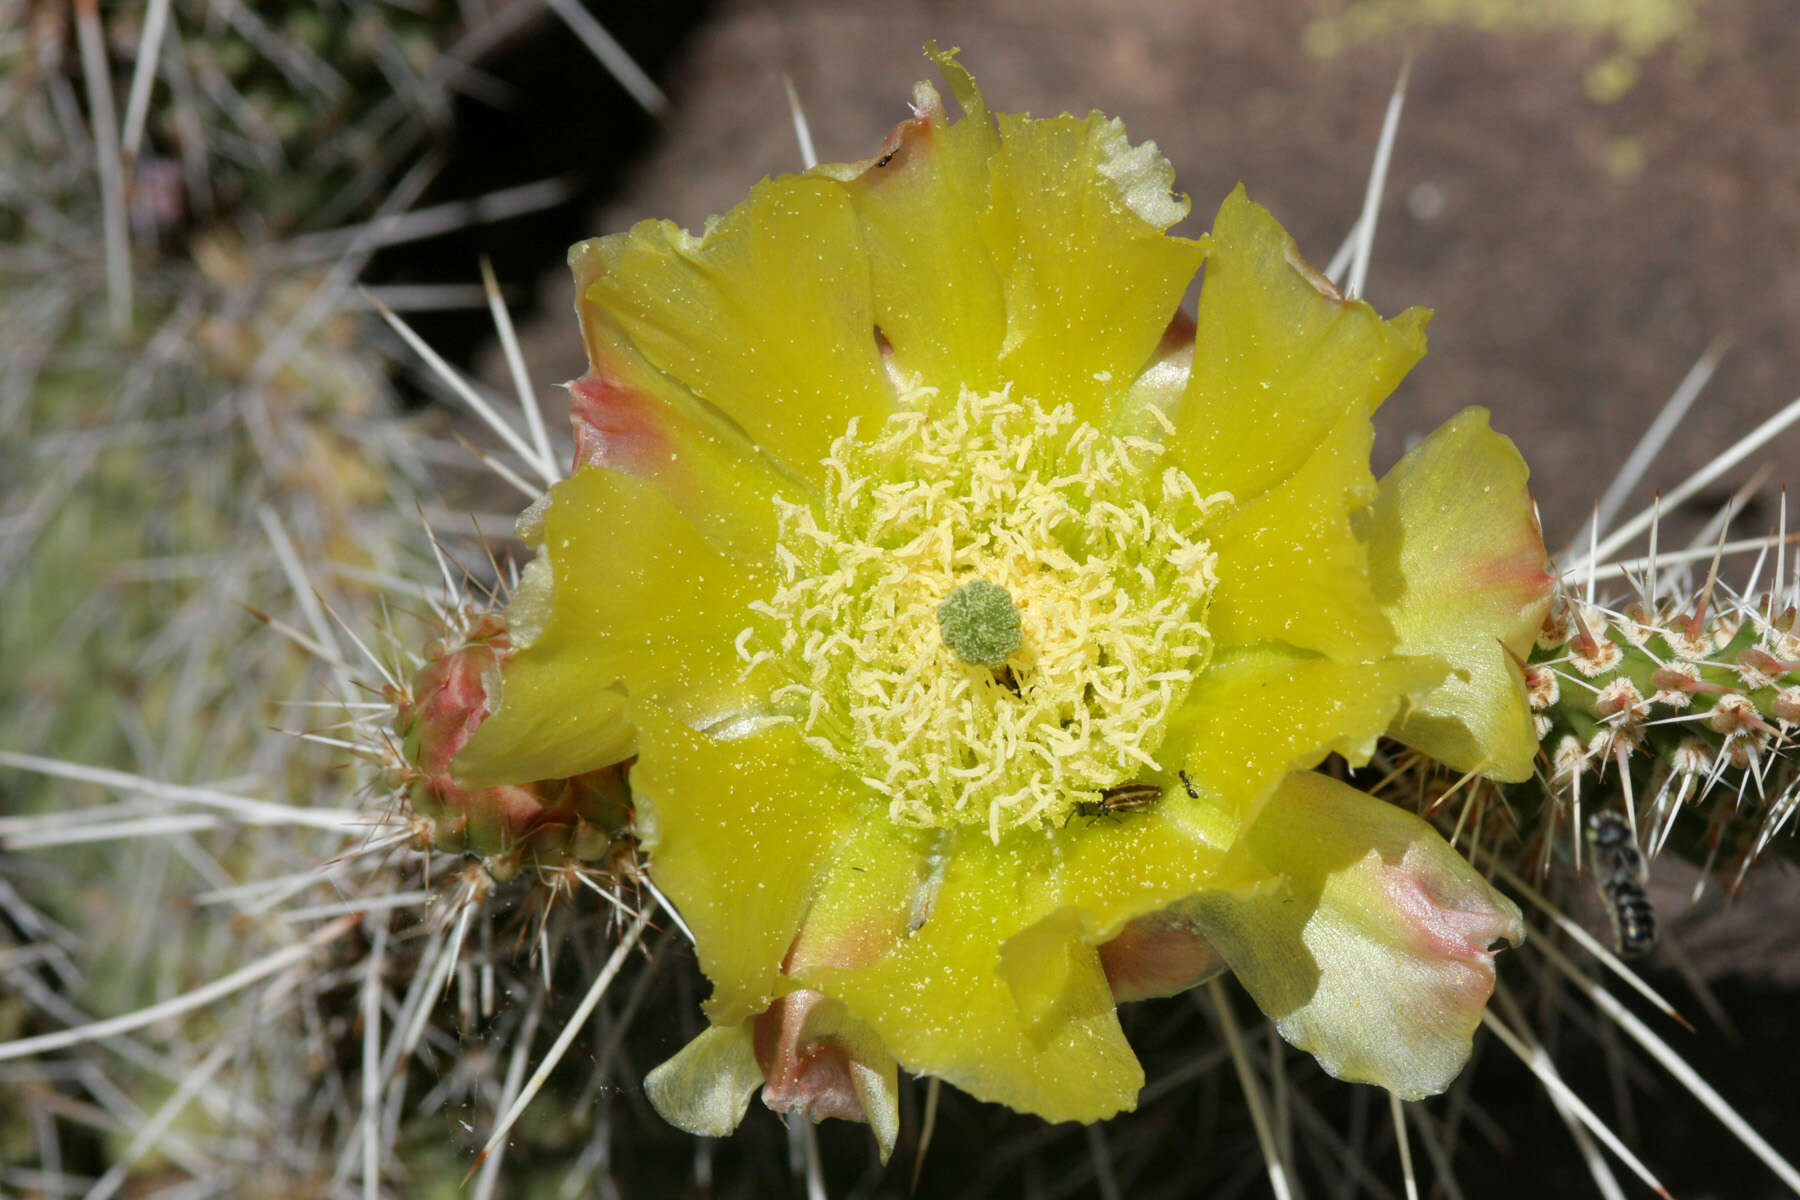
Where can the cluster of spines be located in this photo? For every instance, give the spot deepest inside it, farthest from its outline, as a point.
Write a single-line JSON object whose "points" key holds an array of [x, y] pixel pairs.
{"points": [[1671, 707], [185, 394]]}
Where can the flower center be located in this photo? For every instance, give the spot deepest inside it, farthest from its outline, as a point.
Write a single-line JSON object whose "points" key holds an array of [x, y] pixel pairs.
{"points": [[981, 623], [993, 612]]}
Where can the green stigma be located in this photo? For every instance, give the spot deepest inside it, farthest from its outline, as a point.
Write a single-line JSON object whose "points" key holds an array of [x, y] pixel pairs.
{"points": [[981, 623]]}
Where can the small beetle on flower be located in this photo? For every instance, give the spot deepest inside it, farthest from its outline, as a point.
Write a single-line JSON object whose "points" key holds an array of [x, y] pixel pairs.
{"points": [[910, 513]]}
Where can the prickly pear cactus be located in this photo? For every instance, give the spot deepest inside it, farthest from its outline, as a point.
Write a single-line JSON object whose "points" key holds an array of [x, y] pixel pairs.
{"points": [[1681, 710], [540, 825], [192, 426]]}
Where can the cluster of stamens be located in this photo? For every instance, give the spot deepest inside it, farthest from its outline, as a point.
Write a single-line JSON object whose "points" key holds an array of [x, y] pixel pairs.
{"points": [[990, 499]]}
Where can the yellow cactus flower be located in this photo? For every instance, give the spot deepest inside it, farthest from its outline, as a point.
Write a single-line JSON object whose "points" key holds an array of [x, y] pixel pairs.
{"points": [[972, 621]]}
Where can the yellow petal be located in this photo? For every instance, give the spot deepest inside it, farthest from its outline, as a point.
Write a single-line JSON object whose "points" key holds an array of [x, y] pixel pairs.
{"points": [[1112, 870], [1291, 568], [768, 317], [938, 298], [943, 1004], [1259, 713], [1280, 358], [1159, 386], [1369, 943], [639, 598], [1459, 565], [876, 885], [706, 1088], [630, 419], [1075, 228], [738, 832], [561, 727]]}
